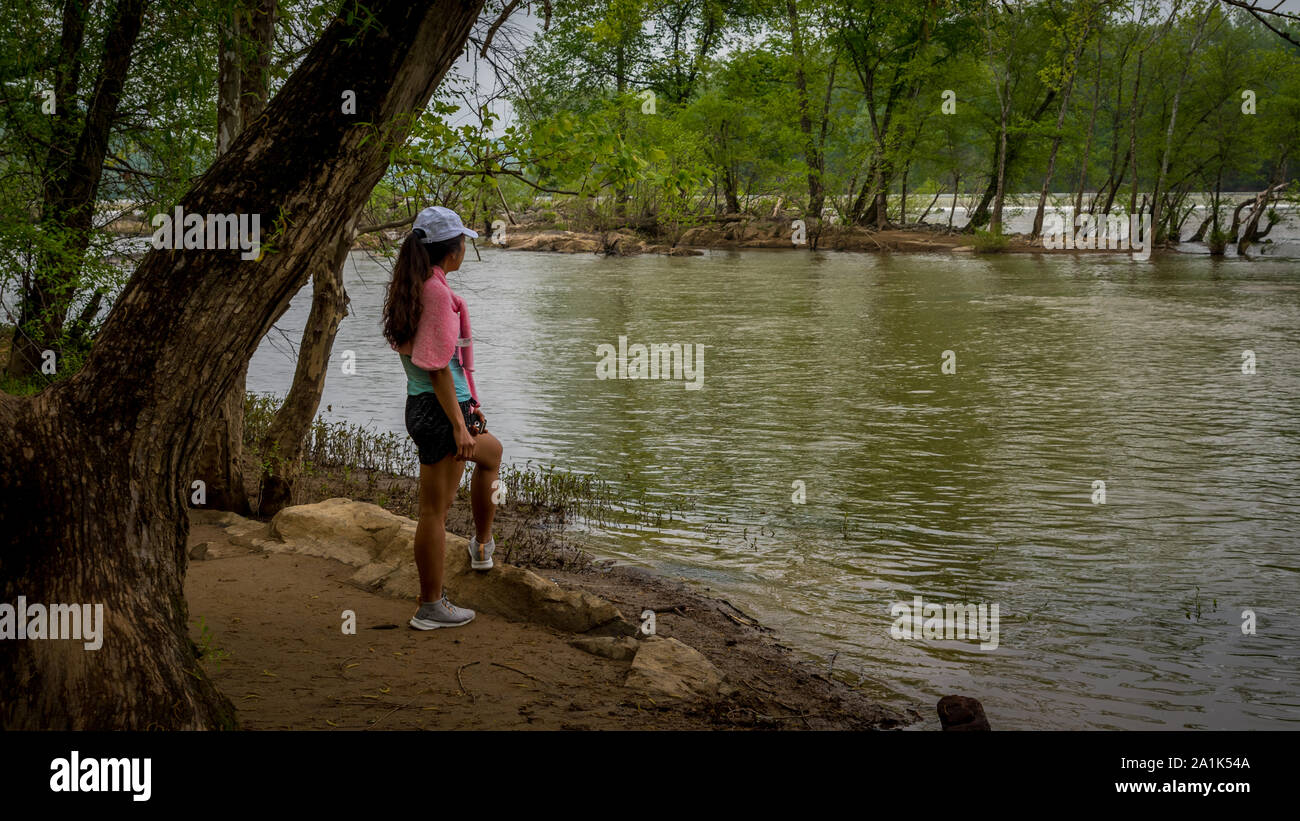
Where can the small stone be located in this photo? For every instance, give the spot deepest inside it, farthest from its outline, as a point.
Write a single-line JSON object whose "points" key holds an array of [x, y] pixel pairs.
{"points": [[962, 713]]}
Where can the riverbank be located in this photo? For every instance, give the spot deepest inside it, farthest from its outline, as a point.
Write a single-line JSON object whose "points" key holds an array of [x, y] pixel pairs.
{"points": [[267, 601], [269, 604], [774, 234], [721, 233], [785, 231]]}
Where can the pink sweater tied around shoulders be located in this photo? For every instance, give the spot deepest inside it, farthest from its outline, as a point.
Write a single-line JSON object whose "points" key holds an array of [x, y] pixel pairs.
{"points": [[443, 330]]}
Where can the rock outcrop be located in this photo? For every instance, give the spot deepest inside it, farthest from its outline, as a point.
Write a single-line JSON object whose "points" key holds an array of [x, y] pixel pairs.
{"points": [[566, 242], [379, 544]]}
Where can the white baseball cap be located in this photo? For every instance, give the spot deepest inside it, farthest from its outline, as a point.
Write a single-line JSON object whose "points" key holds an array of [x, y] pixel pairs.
{"points": [[436, 224]]}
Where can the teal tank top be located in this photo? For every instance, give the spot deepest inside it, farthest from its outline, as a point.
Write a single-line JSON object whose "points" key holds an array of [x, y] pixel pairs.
{"points": [[419, 381]]}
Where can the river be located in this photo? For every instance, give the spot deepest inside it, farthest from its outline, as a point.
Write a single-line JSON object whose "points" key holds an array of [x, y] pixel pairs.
{"points": [[823, 378]]}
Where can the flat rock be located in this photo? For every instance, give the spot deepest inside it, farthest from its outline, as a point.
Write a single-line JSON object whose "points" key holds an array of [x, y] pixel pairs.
{"points": [[354, 533], [618, 648], [380, 545], [669, 669]]}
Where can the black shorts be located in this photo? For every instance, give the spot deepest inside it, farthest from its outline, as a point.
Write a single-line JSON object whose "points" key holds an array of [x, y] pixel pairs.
{"points": [[429, 426]]}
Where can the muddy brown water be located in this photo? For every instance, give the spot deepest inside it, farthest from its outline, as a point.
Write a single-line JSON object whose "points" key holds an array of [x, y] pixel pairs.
{"points": [[823, 377]]}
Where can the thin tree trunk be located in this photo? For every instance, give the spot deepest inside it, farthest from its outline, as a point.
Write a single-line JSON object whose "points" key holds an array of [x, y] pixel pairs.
{"points": [[956, 188], [1132, 137], [980, 215], [902, 197], [995, 222], [816, 195], [1058, 136], [1173, 118], [926, 212], [244, 63], [229, 53], [282, 445], [1092, 130], [72, 181]]}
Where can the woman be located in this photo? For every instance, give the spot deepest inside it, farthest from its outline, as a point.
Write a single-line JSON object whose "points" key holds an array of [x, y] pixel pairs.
{"points": [[429, 326]]}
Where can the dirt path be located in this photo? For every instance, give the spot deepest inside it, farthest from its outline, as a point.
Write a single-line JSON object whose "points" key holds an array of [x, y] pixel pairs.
{"points": [[272, 624]]}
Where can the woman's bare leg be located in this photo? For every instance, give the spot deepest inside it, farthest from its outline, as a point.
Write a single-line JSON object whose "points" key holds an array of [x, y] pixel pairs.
{"points": [[438, 484], [487, 457]]}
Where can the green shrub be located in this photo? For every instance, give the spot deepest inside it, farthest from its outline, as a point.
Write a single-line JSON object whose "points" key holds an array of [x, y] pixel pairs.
{"points": [[987, 242]]}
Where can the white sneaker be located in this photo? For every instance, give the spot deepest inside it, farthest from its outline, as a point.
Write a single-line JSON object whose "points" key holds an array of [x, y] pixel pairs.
{"points": [[480, 554], [441, 613]]}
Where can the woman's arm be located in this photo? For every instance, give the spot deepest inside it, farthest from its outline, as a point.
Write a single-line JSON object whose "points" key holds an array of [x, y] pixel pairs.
{"points": [[445, 389]]}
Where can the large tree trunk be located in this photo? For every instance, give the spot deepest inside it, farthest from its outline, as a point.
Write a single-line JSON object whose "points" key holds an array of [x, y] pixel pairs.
{"points": [[94, 471]]}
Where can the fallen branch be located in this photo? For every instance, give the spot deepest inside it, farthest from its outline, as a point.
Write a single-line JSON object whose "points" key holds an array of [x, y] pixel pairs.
{"points": [[675, 608], [406, 704], [738, 610], [460, 683], [757, 714], [736, 620], [516, 670]]}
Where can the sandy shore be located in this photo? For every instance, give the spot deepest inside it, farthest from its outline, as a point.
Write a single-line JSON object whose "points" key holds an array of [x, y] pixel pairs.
{"points": [[273, 628]]}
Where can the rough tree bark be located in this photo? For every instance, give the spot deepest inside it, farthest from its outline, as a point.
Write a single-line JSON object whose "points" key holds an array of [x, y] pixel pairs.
{"points": [[94, 470], [244, 62]]}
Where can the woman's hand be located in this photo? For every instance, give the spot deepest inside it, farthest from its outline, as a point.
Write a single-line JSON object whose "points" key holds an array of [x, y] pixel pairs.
{"points": [[446, 391], [464, 443], [482, 420]]}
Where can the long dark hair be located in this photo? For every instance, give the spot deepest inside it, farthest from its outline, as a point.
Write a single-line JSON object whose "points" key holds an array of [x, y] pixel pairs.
{"points": [[415, 263]]}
